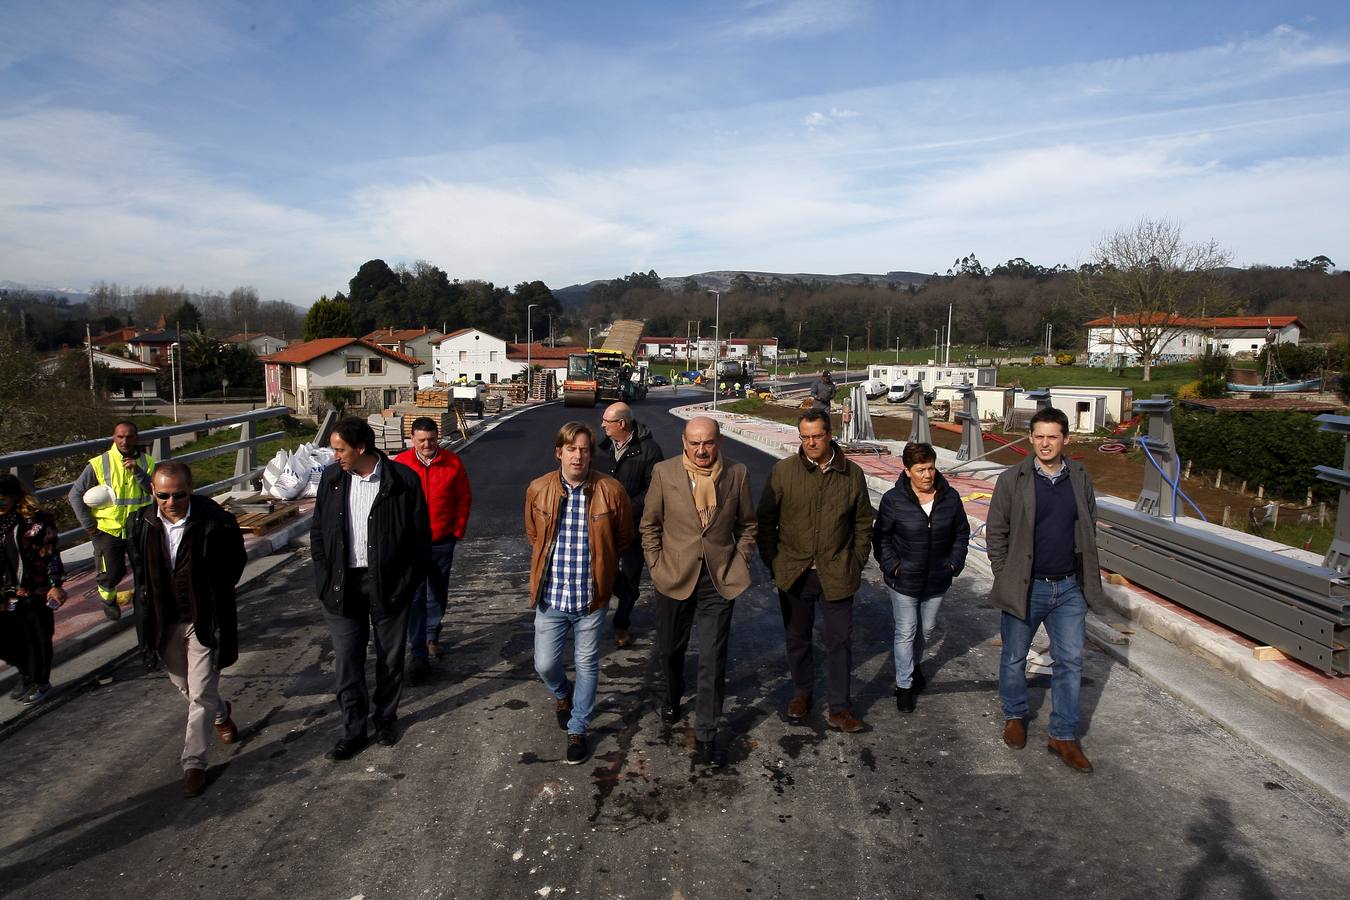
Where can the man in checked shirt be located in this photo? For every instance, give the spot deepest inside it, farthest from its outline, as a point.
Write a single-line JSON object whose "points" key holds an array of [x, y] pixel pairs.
{"points": [[578, 523]]}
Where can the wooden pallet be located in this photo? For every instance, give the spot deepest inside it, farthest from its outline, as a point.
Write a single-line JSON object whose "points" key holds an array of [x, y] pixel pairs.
{"points": [[261, 523]]}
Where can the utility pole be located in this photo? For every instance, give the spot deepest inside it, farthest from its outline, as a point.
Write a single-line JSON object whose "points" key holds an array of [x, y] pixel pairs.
{"points": [[529, 341], [949, 335], [717, 343], [89, 351]]}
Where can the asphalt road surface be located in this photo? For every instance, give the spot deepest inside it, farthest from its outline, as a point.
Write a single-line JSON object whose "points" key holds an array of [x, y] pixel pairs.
{"points": [[476, 802]]}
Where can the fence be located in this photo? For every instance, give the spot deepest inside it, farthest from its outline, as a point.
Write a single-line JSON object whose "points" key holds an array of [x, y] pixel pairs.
{"points": [[24, 464], [1301, 608]]}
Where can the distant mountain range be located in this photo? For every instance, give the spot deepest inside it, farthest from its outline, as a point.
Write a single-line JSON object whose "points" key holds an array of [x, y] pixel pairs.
{"points": [[577, 294], [44, 291]]}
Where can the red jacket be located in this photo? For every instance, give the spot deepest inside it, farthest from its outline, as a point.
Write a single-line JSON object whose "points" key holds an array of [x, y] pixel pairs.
{"points": [[446, 486]]}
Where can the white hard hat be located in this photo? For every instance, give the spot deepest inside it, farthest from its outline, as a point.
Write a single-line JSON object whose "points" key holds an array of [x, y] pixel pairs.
{"points": [[98, 496]]}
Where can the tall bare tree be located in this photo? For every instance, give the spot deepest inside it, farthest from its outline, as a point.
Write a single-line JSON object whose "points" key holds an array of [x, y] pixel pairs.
{"points": [[1152, 283]]}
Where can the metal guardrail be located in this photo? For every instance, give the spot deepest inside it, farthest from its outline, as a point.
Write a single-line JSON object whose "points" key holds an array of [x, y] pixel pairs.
{"points": [[1301, 608], [24, 463]]}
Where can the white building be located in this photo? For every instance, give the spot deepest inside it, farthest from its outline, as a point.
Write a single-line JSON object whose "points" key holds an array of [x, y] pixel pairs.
{"points": [[1235, 335], [261, 344], [374, 377], [471, 355], [416, 342], [932, 376], [127, 378]]}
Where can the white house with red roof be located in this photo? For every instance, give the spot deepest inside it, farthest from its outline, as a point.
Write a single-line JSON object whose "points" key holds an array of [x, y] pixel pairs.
{"points": [[472, 355], [415, 342], [375, 377], [260, 343], [1186, 338]]}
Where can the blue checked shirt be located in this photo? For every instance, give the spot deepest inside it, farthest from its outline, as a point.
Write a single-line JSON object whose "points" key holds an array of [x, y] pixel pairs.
{"points": [[569, 570]]}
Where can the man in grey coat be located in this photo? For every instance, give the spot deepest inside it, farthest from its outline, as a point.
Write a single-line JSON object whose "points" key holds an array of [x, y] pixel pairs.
{"points": [[1043, 550], [822, 391]]}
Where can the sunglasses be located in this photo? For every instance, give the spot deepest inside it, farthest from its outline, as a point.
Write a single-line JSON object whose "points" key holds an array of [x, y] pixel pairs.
{"points": [[165, 495]]}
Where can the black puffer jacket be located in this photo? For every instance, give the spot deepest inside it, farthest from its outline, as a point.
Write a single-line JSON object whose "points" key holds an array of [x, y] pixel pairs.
{"points": [[634, 469], [920, 554], [399, 533]]}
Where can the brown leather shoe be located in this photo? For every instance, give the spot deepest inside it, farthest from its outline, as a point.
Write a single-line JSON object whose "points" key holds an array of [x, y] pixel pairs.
{"points": [[194, 782], [1071, 753], [799, 707], [622, 638], [1015, 733], [227, 731], [435, 650], [844, 721]]}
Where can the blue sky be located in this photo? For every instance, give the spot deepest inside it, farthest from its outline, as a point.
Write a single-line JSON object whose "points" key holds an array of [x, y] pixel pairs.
{"points": [[217, 144]]}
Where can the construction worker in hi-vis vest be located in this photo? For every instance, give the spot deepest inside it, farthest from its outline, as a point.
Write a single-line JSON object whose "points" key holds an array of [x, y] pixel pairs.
{"points": [[124, 471]]}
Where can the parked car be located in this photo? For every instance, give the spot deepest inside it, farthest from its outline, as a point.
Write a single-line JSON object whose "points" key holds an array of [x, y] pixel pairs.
{"points": [[897, 392], [834, 360], [660, 381], [875, 388]]}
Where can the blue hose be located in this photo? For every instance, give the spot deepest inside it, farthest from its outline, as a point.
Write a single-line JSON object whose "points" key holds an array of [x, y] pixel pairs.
{"points": [[1142, 440]]}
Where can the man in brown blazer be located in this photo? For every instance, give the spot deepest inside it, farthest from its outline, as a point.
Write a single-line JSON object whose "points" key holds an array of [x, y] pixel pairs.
{"points": [[698, 534]]}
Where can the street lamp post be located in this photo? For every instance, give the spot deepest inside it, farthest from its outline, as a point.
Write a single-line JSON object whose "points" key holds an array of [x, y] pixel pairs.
{"points": [[529, 346], [173, 377], [848, 339], [897, 351], [717, 342], [799, 342]]}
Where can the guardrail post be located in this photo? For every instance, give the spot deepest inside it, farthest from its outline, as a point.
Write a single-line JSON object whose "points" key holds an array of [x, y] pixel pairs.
{"points": [[246, 458], [325, 429], [919, 432], [972, 438], [1156, 497], [1338, 554], [161, 449], [27, 474]]}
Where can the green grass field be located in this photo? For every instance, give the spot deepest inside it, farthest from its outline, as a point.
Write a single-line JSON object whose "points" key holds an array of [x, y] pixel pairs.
{"points": [[1166, 379]]}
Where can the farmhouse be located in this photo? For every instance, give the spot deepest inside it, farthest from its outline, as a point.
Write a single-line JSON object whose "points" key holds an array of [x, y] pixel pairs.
{"points": [[375, 378]]}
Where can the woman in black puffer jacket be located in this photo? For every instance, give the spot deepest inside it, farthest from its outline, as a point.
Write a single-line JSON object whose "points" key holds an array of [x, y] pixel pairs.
{"points": [[920, 540]]}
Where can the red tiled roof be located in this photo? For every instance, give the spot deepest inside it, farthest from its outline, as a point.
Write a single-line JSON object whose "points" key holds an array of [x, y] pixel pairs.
{"points": [[397, 334], [1199, 322], [539, 351], [300, 354]]}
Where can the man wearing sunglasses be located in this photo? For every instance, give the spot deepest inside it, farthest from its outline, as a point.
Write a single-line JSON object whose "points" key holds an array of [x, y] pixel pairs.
{"points": [[186, 556]]}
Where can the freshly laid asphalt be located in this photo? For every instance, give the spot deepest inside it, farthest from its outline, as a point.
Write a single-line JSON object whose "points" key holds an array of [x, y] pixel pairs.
{"points": [[475, 800]]}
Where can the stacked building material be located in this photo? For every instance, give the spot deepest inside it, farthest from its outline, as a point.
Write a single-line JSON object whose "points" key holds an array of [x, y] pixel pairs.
{"points": [[432, 398], [388, 430], [445, 422]]}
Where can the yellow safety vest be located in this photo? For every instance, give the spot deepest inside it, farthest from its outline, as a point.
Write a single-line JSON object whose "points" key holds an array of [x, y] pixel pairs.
{"points": [[128, 494]]}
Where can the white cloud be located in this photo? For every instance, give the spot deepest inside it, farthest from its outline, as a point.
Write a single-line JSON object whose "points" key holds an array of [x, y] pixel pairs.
{"points": [[777, 19]]}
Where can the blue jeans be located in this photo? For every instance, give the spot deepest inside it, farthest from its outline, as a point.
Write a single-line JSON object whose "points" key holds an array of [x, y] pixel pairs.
{"points": [[1061, 606], [550, 633], [910, 639], [428, 605]]}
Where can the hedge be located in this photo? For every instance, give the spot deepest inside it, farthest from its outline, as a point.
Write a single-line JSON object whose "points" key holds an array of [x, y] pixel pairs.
{"points": [[1275, 449]]}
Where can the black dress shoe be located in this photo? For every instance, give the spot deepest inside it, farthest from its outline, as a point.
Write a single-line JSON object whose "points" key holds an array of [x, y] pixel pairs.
{"points": [[346, 748], [387, 735], [904, 699], [563, 711], [670, 714], [710, 754]]}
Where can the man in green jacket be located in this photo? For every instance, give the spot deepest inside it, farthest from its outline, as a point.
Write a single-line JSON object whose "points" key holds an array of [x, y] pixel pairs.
{"points": [[815, 534]]}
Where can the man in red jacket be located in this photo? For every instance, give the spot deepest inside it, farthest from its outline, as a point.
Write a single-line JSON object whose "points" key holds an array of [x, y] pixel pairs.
{"points": [[446, 486]]}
